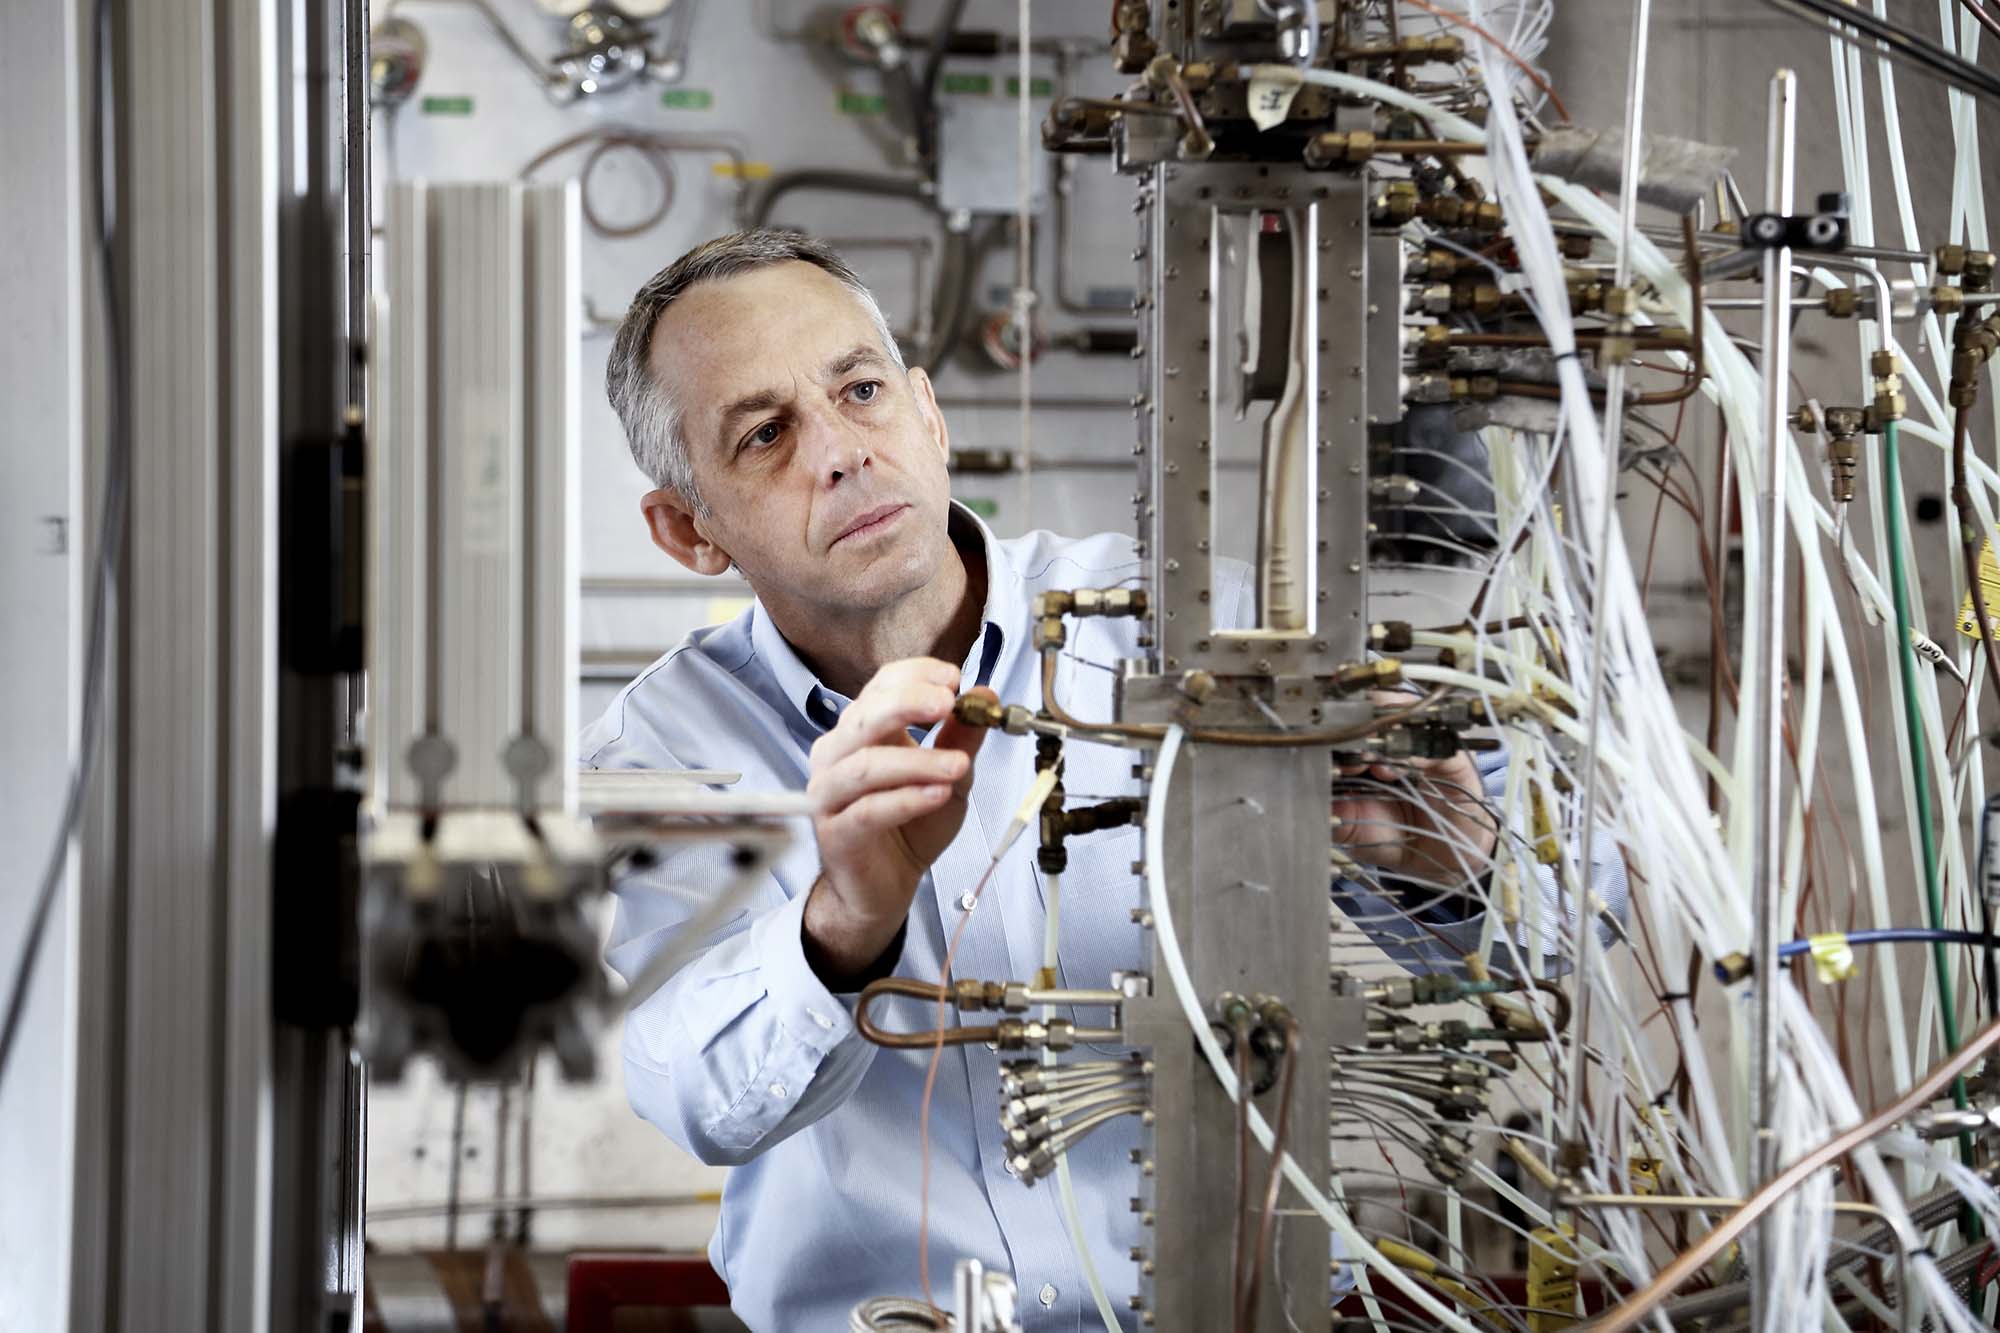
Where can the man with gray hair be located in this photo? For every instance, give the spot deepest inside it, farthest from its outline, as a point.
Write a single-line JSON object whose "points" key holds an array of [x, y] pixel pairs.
{"points": [[764, 396]]}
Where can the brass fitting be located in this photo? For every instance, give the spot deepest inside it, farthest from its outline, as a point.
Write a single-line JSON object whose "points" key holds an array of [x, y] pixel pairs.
{"points": [[1844, 455], [1197, 686], [1889, 404], [1620, 302], [1481, 298], [1586, 296], [1437, 264], [1390, 636], [976, 710], [1843, 302], [1381, 674], [1845, 422], [1133, 48], [1950, 260], [1575, 244], [1334, 148], [1803, 420], [1947, 299], [1447, 210], [1107, 602], [1396, 204], [1978, 270]]}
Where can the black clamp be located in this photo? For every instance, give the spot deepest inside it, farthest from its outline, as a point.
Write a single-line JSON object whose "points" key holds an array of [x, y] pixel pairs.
{"points": [[1824, 231]]}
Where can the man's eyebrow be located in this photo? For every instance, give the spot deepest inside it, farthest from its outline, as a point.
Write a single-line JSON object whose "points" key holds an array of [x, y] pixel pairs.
{"points": [[763, 400], [861, 354]]}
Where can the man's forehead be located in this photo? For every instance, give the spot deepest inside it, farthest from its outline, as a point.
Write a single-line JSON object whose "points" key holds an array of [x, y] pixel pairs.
{"points": [[795, 314]]}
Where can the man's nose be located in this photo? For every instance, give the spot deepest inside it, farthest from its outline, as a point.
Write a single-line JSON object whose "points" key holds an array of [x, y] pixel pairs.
{"points": [[838, 449]]}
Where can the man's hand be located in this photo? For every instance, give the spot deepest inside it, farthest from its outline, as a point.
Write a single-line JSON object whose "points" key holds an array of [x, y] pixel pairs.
{"points": [[1420, 818], [885, 808]]}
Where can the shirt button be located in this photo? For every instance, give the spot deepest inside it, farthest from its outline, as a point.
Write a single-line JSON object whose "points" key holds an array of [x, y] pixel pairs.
{"points": [[1048, 1293], [820, 1018], [778, 1090], [967, 899]]}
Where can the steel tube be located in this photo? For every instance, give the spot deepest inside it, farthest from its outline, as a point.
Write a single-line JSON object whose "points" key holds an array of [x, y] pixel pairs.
{"points": [[1767, 871]]}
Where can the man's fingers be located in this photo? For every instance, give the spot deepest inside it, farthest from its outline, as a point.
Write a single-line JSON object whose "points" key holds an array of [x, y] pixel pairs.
{"points": [[1368, 831], [881, 768], [915, 692], [885, 811], [954, 737]]}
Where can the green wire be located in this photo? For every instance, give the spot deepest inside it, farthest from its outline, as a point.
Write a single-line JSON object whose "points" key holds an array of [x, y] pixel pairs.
{"points": [[1906, 657]]}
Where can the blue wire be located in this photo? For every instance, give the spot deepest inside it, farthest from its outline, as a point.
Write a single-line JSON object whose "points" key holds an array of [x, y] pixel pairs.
{"points": [[1890, 935]]}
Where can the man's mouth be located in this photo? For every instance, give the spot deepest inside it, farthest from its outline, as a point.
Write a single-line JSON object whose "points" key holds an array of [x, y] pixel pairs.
{"points": [[870, 523]]}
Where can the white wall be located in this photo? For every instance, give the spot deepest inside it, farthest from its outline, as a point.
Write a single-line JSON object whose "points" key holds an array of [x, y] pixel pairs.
{"points": [[39, 536]]}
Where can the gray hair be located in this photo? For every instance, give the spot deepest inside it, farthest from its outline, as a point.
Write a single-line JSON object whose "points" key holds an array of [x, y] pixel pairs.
{"points": [[652, 419]]}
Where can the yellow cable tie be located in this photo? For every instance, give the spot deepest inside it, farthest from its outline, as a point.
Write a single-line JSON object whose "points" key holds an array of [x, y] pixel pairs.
{"points": [[1833, 957]]}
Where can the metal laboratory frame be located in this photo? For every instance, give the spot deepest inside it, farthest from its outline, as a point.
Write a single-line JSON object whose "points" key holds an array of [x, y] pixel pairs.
{"points": [[1248, 842], [218, 1108]]}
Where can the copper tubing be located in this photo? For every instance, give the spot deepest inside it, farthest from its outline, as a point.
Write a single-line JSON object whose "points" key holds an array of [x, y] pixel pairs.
{"points": [[1247, 1312], [1427, 147], [1633, 1311], [1198, 142], [1696, 372], [913, 1041], [1969, 537], [1238, 1218], [1227, 735]]}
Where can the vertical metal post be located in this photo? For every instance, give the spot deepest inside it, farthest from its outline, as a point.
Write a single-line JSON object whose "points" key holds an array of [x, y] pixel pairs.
{"points": [[1769, 684]]}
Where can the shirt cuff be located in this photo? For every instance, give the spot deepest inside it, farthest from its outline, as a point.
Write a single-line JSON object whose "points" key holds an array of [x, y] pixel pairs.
{"points": [[807, 1011]]}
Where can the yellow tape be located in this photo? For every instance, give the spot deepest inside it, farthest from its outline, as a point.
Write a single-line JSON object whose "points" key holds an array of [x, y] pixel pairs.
{"points": [[1833, 957], [749, 171], [1547, 850], [1989, 583], [1551, 1279]]}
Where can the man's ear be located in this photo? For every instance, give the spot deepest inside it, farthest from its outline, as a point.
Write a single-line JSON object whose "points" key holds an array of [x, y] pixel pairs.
{"points": [[678, 531], [927, 408]]}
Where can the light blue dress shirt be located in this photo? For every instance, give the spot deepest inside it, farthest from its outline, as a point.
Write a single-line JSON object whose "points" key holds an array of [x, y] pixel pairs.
{"points": [[745, 1058]]}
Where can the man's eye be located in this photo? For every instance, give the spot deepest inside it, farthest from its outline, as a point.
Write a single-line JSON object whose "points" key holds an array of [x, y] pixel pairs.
{"points": [[866, 391], [767, 433]]}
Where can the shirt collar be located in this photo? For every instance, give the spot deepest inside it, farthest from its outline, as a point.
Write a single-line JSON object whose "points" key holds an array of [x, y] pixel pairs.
{"points": [[1006, 608]]}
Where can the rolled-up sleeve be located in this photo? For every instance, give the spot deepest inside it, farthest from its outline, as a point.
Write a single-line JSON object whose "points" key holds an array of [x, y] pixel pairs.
{"points": [[743, 1045]]}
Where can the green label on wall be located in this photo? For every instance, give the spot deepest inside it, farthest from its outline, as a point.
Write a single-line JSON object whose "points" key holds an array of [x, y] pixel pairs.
{"points": [[981, 506], [447, 106], [979, 84], [862, 104], [687, 99], [1036, 87]]}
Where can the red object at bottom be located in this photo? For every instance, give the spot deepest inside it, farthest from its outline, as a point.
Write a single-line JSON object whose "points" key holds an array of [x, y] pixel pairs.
{"points": [[620, 1292]]}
